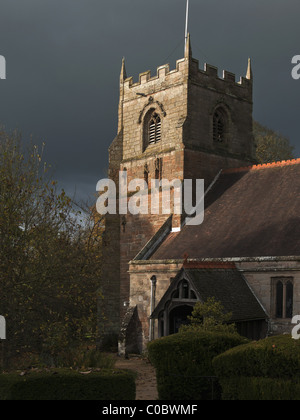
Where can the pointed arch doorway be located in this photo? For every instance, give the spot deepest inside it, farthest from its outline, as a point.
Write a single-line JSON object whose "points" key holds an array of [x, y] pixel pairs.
{"points": [[178, 316]]}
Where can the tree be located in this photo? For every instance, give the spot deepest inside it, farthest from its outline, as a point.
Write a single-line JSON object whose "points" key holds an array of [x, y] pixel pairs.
{"points": [[50, 256], [271, 146], [209, 316]]}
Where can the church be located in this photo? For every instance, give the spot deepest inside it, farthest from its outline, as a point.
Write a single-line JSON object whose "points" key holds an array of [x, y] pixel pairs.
{"points": [[192, 123]]}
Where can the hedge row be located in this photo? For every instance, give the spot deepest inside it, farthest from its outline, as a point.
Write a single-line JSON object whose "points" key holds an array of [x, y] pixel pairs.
{"points": [[183, 364], [273, 357], [66, 384], [259, 389], [268, 369]]}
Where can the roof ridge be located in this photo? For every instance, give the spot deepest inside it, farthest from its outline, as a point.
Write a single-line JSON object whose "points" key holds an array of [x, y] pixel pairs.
{"points": [[262, 166], [208, 264]]}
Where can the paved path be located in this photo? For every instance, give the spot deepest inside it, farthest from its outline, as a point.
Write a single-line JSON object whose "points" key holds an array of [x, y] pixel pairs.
{"points": [[146, 377]]}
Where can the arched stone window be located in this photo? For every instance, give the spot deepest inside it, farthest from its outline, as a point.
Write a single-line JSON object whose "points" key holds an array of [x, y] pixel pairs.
{"points": [[146, 174], [220, 125], [185, 290], [279, 299], [158, 168], [289, 299], [152, 128], [283, 297]]}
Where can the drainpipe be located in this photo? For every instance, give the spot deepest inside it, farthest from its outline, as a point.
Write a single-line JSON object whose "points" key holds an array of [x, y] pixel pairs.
{"points": [[152, 306]]}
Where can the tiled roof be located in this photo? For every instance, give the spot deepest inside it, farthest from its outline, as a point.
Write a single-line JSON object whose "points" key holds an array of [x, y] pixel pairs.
{"points": [[249, 212], [227, 285]]}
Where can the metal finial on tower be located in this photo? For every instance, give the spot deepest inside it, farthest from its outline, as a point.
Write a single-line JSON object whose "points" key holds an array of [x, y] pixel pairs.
{"points": [[186, 21]]}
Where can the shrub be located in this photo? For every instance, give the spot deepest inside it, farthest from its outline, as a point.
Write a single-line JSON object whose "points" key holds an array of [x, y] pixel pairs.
{"points": [[184, 361], [209, 316], [80, 358], [266, 369], [67, 384], [258, 389]]}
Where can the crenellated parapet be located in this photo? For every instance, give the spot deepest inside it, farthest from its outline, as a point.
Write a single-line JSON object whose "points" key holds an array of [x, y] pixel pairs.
{"points": [[186, 98], [163, 76], [185, 68]]}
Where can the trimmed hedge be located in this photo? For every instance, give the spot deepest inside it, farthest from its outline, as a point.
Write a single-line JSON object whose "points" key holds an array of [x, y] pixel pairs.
{"points": [[259, 389], [66, 384], [183, 360], [268, 369]]}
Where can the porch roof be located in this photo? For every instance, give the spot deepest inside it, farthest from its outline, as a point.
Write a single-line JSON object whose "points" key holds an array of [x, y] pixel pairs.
{"points": [[227, 285]]}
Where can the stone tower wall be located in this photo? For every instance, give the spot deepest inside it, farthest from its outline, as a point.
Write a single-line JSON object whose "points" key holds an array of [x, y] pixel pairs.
{"points": [[185, 99]]}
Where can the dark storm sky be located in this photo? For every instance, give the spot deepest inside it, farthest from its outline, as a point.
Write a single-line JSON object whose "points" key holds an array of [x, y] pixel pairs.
{"points": [[64, 57]]}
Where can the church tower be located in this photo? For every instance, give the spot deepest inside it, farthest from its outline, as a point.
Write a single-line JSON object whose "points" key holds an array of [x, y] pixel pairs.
{"points": [[185, 123]]}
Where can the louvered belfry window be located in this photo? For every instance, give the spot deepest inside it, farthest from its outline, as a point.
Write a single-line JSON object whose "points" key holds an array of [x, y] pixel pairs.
{"points": [[154, 129], [219, 126]]}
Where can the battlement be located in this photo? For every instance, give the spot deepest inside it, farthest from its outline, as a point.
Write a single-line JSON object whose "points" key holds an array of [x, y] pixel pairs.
{"points": [[227, 76], [184, 67], [186, 99], [161, 73]]}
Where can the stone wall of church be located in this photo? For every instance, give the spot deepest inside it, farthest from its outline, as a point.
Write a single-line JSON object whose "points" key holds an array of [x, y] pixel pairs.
{"points": [[208, 165], [208, 92], [185, 99], [137, 230], [259, 274], [262, 277], [140, 288], [167, 94], [109, 301]]}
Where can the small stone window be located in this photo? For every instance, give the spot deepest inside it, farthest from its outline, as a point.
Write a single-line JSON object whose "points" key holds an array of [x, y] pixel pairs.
{"points": [[158, 169], [146, 174], [279, 300], [185, 290], [283, 297], [220, 126]]}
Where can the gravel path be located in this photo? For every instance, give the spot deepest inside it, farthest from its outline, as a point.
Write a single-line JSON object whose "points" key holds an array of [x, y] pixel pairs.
{"points": [[146, 378]]}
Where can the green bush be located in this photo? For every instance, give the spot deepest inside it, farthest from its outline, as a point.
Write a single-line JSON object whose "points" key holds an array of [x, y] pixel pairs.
{"points": [[67, 384], [273, 357], [259, 389], [184, 361], [76, 358], [268, 369], [81, 358]]}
